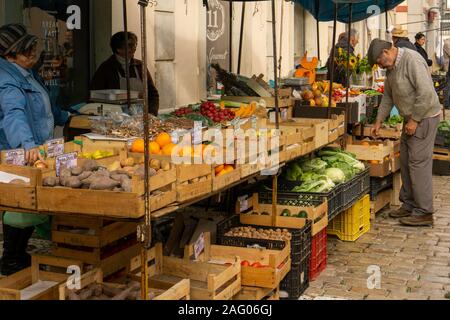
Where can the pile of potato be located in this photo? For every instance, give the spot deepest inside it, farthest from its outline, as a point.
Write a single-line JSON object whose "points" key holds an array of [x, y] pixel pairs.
{"points": [[97, 291], [268, 234], [117, 177]]}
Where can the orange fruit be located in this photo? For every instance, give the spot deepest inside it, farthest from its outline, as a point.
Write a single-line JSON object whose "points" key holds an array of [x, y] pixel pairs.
{"points": [[154, 148], [219, 168], [374, 162], [163, 139], [138, 146], [221, 173], [228, 168], [168, 149]]}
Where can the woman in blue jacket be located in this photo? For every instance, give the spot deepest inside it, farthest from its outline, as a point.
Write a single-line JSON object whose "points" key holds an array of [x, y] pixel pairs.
{"points": [[27, 120]]}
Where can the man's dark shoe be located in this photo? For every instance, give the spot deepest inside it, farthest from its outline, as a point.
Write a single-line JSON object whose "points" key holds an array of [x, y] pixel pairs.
{"points": [[418, 221], [400, 213]]}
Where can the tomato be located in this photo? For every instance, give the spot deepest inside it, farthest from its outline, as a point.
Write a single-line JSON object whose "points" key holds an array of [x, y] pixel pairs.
{"points": [[256, 265], [245, 263]]}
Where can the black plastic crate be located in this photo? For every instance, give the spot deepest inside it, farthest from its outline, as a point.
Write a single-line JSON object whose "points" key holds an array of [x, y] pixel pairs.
{"points": [[441, 168], [354, 189], [300, 242], [380, 184], [306, 199], [296, 281], [442, 140]]}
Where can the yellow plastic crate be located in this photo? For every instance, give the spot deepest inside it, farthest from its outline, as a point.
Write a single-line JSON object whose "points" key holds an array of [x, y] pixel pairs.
{"points": [[352, 223]]}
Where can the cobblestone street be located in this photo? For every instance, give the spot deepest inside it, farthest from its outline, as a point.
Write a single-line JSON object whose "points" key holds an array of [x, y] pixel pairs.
{"points": [[414, 262]]}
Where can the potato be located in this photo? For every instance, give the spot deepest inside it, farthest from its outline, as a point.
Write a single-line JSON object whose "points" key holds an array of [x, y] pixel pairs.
{"points": [[50, 181], [129, 162], [85, 175], [77, 171], [18, 181], [126, 185], [129, 172], [155, 164], [103, 183], [73, 182], [165, 165], [90, 165], [119, 177]]}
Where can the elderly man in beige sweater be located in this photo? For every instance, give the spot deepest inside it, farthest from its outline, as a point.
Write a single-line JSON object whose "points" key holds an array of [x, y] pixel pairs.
{"points": [[409, 87]]}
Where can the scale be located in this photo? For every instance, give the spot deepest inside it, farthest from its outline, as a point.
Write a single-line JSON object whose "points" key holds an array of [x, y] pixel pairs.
{"points": [[103, 102]]}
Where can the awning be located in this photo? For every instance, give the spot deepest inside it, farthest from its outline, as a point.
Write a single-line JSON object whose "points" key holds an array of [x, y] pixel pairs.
{"points": [[323, 10]]}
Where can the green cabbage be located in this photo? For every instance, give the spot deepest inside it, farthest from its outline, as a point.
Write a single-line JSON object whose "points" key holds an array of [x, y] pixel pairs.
{"points": [[294, 172], [315, 165], [336, 175]]}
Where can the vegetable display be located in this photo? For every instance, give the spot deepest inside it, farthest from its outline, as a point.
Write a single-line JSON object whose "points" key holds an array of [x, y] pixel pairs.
{"points": [[269, 234], [444, 130]]}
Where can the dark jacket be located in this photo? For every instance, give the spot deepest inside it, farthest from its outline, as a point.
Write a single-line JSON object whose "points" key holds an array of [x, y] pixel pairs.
{"points": [[107, 77], [340, 73], [405, 43], [424, 54]]}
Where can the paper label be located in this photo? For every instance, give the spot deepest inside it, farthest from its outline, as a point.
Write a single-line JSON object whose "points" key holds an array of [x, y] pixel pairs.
{"points": [[15, 157], [197, 137], [66, 161], [199, 246], [243, 203], [55, 148]]}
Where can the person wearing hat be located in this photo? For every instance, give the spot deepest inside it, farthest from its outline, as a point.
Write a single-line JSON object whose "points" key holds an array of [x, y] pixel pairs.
{"points": [[400, 38], [409, 87], [340, 73], [420, 42], [111, 74], [27, 120]]}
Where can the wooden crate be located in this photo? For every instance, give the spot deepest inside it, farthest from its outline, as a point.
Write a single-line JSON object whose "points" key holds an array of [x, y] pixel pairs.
{"points": [[283, 101], [110, 203], [395, 201], [208, 281], [219, 183], [17, 195], [105, 244], [336, 127], [90, 146], [375, 150], [321, 126], [193, 181], [255, 294], [249, 169], [277, 263], [254, 215], [35, 284], [385, 132], [382, 200]]}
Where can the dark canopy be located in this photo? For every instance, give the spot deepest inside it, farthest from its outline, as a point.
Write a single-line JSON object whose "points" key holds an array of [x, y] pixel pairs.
{"points": [[323, 10]]}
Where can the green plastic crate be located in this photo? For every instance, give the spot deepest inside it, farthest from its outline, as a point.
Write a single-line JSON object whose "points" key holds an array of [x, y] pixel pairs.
{"points": [[352, 223]]}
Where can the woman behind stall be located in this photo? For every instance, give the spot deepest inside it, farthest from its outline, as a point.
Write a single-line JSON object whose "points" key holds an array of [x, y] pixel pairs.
{"points": [[111, 74], [27, 120]]}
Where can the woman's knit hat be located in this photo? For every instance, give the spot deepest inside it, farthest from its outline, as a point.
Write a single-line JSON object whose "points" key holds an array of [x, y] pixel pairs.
{"points": [[14, 38]]}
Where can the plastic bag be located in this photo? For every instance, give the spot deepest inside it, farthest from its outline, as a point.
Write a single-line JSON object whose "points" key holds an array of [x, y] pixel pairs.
{"points": [[24, 220]]}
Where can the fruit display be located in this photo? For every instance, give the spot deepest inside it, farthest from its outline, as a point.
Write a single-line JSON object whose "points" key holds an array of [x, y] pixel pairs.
{"points": [[161, 145], [253, 233], [97, 155], [210, 110], [223, 170], [241, 110]]}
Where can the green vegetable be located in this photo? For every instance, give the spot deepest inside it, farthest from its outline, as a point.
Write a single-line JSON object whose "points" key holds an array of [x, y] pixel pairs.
{"points": [[315, 165], [206, 122], [394, 120], [286, 213], [331, 155], [335, 174], [303, 214], [294, 172]]}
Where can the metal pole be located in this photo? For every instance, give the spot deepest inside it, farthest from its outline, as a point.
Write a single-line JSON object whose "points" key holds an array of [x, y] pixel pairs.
{"points": [[348, 48], [127, 61], [274, 41], [147, 236], [241, 35], [318, 39], [332, 59], [231, 38]]}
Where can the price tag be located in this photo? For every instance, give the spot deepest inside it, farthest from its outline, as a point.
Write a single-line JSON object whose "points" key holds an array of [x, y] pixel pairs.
{"points": [[66, 161], [197, 137], [243, 203], [15, 157], [272, 117], [284, 114], [55, 148], [199, 246]]}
